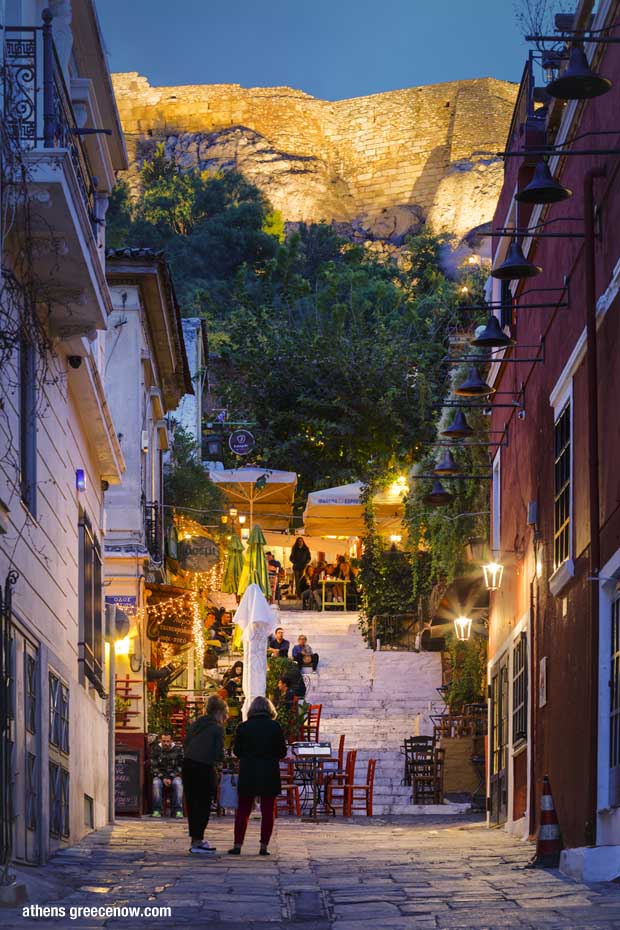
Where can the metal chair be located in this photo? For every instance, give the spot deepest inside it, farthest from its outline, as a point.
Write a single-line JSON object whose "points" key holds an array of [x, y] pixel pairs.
{"points": [[415, 747]]}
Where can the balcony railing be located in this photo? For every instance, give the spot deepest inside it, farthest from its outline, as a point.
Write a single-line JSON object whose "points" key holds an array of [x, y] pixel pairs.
{"points": [[37, 110], [153, 530]]}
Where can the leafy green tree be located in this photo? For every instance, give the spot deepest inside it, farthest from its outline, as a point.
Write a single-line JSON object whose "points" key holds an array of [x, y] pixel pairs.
{"points": [[186, 483]]}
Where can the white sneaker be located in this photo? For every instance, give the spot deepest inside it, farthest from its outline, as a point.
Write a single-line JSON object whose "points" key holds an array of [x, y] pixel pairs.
{"points": [[202, 848]]}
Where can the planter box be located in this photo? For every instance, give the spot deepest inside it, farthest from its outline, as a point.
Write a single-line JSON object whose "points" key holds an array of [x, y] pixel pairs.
{"points": [[460, 776]]}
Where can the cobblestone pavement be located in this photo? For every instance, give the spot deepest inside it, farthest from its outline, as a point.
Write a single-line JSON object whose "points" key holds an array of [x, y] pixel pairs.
{"points": [[380, 874]]}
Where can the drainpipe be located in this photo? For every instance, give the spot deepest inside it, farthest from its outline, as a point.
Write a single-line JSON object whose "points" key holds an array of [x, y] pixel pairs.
{"points": [[111, 733], [593, 482]]}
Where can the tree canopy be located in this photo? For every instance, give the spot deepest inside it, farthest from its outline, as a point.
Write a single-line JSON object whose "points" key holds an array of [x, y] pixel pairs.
{"points": [[334, 355]]}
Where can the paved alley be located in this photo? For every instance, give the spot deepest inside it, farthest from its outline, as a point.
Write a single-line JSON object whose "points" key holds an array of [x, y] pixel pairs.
{"points": [[402, 874]]}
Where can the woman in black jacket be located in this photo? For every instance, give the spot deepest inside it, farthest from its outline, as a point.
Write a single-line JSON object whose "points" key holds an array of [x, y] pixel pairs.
{"points": [[203, 753], [300, 556], [259, 746]]}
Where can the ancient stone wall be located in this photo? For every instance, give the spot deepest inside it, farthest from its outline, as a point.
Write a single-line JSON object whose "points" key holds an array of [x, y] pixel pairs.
{"points": [[379, 165]]}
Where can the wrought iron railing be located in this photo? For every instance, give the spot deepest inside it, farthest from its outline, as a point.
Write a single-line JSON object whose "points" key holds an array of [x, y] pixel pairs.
{"points": [[153, 530], [37, 109], [395, 631]]}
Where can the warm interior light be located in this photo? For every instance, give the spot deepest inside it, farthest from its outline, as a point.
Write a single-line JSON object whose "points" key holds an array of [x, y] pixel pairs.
{"points": [[462, 628], [224, 518], [399, 487], [121, 647], [395, 539], [242, 519], [493, 572], [233, 511]]}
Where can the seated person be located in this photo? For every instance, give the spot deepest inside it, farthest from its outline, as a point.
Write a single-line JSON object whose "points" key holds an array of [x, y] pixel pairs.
{"points": [[233, 678], [309, 587], [285, 696], [303, 654], [166, 765], [277, 645], [295, 681], [273, 570]]}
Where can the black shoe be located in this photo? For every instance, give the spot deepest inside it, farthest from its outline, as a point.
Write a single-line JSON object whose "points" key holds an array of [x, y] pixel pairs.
{"points": [[235, 851], [263, 851]]}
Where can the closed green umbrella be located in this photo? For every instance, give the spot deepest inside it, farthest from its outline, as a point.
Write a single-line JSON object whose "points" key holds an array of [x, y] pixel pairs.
{"points": [[254, 569], [234, 564]]}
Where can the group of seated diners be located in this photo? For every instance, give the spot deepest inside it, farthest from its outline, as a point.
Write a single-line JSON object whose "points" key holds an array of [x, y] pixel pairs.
{"points": [[314, 574]]}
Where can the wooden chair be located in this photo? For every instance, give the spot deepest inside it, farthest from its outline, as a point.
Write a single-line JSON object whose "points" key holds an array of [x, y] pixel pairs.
{"points": [[427, 778], [365, 792], [333, 765], [415, 747], [312, 723], [337, 787], [288, 800]]}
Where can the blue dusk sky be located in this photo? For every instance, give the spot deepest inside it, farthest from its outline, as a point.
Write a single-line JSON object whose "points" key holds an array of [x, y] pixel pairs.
{"points": [[332, 49]]}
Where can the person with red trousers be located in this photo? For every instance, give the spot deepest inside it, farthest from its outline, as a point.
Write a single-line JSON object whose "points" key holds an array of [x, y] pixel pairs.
{"points": [[259, 745]]}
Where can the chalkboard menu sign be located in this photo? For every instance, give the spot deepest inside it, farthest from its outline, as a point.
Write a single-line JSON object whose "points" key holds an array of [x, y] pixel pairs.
{"points": [[128, 781]]}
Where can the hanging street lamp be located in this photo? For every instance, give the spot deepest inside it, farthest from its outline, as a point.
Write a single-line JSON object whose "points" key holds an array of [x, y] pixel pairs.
{"points": [[578, 81], [438, 496], [462, 628], [474, 386], [493, 572], [515, 266]]}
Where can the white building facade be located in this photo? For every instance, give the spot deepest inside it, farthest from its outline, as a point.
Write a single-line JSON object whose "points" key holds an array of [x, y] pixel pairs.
{"points": [[58, 446]]}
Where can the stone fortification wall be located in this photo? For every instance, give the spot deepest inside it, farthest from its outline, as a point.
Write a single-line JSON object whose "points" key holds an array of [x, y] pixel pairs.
{"points": [[379, 165]]}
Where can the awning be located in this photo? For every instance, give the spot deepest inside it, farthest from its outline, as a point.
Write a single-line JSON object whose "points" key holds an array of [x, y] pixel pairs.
{"points": [[263, 495], [340, 512]]}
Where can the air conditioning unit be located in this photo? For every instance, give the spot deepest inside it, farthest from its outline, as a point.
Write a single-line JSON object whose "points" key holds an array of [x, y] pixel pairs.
{"points": [[144, 444]]}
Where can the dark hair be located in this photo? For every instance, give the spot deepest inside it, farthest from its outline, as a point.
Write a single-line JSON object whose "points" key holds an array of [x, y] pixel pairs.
{"points": [[283, 680], [278, 628], [215, 705]]}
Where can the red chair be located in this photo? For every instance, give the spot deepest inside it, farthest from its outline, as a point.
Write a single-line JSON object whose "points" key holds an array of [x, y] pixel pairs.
{"points": [[337, 788], [312, 723], [365, 791], [288, 801]]}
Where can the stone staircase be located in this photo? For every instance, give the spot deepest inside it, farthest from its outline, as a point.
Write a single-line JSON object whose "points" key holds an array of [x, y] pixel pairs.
{"points": [[374, 698]]}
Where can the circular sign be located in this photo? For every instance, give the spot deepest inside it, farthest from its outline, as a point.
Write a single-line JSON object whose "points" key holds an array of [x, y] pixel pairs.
{"points": [[241, 441]]}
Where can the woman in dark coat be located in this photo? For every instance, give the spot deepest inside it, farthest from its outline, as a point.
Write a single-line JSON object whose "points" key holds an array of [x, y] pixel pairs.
{"points": [[300, 556], [203, 754], [259, 746]]}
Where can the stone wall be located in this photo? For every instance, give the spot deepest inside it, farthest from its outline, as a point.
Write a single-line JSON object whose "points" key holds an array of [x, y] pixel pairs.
{"points": [[379, 165]]}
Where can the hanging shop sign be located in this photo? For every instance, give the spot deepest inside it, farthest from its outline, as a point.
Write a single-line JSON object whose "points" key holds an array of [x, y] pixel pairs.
{"points": [[241, 441], [174, 630], [198, 554]]}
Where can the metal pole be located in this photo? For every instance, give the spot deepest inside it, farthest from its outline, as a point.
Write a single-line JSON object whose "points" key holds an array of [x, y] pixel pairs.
{"points": [[49, 118]]}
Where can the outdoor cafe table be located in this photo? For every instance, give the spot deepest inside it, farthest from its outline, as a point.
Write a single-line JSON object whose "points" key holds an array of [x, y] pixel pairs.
{"points": [[341, 581]]}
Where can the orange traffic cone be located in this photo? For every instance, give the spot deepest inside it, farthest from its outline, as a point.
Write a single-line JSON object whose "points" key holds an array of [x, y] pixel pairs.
{"points": [[548, 841]]}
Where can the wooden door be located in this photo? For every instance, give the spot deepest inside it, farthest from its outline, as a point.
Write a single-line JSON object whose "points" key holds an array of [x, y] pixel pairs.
{"points": [[498, 788]]}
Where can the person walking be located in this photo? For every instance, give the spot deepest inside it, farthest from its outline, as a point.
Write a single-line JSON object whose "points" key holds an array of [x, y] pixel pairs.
{"points": [[259, 746], [203, 754], [300, 556]]}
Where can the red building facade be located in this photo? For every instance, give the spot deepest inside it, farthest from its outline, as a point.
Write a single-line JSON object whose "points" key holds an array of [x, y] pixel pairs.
{"points": [[554, 628]]}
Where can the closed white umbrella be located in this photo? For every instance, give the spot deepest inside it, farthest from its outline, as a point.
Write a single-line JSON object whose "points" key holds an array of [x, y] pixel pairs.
{"points": [[255, 617]]}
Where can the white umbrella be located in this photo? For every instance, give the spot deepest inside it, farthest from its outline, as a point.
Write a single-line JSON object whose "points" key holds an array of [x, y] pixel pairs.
{"points": [[340, 512], [263, 494], [255, 617]]}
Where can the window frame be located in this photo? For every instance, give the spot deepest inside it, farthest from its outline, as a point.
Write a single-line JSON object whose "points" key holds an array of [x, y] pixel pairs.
{"points": [[520, 689], [562, 485], [28, 425], [91, 641]]}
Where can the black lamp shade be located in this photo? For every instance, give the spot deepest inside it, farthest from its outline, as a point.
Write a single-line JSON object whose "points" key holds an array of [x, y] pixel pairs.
{"points": [[474, 386], [438, 495], [492, 336], [578, 81], [515, 266], [459, 428], [447, 465], [543, 188]]}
